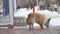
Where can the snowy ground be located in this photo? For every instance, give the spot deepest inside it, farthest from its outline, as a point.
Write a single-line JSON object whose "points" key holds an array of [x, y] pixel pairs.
{"points": [[54, 15]]}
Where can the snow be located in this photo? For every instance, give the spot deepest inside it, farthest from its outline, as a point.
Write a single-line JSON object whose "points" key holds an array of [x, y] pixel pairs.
{"points": [[55, 17], [22, 12]]}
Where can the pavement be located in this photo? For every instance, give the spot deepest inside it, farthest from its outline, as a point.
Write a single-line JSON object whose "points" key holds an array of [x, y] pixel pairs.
{"points": [[25, 30]]}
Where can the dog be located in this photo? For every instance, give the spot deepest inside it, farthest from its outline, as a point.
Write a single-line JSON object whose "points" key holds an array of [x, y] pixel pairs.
{"points": [[40, 19]]}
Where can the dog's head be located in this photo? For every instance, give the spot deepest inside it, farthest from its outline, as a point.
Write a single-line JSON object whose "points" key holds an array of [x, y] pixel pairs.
{"points": [[47, 23]]}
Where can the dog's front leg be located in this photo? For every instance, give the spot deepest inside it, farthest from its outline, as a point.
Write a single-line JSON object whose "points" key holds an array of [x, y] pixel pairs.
{"points": [[30, 26], [41, 25]]}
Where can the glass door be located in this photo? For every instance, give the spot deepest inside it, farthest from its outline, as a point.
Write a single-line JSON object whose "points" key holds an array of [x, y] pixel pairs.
{"points": [[4, 10]]}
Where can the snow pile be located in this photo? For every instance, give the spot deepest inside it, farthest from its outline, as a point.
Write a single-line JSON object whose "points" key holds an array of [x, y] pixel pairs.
{"points": [[22, 12], [55, 22], [49, 13], [52, 14]]}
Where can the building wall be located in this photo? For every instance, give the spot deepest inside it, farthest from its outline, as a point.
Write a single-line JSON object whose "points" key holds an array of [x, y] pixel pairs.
{"points": [[22, 3], [1, 4]]}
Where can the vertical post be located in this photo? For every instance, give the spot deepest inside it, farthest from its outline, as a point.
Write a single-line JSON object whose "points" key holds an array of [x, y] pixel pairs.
{"points": [[33, 6], [11, 11], [37, 2], [14, 5], [58, 6]]}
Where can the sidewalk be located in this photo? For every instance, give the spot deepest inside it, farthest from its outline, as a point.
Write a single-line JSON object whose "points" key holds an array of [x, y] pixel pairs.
{"points": [[25, 30]]}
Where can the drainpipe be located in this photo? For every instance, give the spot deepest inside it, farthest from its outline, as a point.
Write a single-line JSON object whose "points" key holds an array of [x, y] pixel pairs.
{"points": [[33, 6]]}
